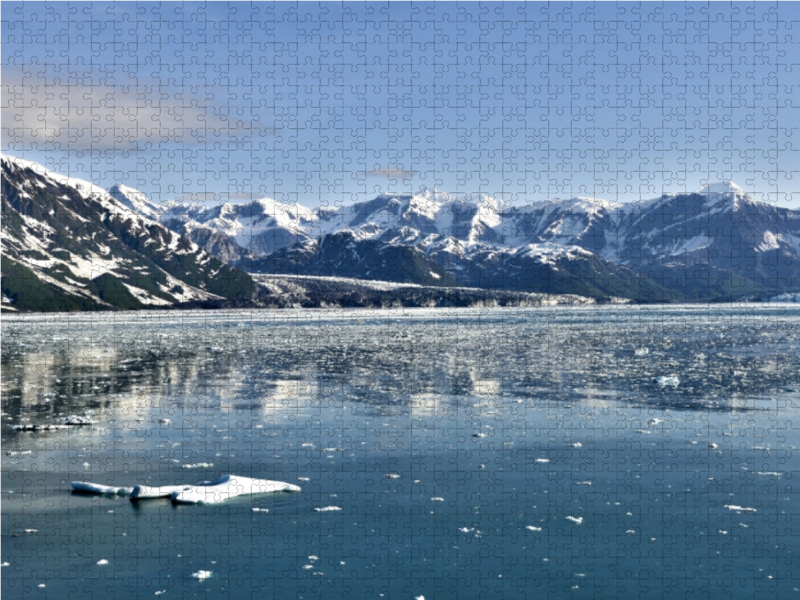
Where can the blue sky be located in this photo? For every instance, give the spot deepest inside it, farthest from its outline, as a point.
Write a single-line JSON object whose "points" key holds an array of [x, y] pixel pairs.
{"points": [[329, 103]]}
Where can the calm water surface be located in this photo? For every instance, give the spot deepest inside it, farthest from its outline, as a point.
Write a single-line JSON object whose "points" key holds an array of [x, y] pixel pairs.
{"points": [[472, 453]]}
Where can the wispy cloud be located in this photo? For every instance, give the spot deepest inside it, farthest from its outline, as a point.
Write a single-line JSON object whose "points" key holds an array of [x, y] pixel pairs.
{"points": [[40, 110], [391, 173]]}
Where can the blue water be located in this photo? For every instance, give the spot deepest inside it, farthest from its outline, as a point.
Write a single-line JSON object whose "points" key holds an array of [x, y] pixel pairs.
{"points": [[456, 444]]}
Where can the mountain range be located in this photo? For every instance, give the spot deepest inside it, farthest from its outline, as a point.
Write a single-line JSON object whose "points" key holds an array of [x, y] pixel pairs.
{"points": [[712, 244], [70, 245]]}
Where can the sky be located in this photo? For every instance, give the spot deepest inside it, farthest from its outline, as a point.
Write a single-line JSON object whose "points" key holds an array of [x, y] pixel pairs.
{"points": [[332, 103]]}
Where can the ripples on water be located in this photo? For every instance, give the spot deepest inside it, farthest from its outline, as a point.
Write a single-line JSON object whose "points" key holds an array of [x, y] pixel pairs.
{"points": [[493, 453]]}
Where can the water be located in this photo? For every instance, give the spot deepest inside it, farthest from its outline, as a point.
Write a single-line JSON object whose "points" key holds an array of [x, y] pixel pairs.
{"points": [[473, 453]]}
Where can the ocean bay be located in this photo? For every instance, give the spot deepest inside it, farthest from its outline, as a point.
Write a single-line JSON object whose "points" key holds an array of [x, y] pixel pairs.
{"points": [[520, 451]]}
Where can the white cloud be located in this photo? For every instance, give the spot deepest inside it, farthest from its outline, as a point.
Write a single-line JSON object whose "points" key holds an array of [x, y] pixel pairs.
{"points": [[43, 111]]}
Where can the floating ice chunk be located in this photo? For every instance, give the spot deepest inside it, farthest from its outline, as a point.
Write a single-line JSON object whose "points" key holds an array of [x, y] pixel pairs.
{"points": [[19, 452], [312, 557], [419, 598], [576, 445], [227, 487], [38, 427], [437, 499], [740, 508], [773, 473], [542, 460], [479, 435], [668, 381], [31, 531], [86, 487], [164, 421], [642, 351], [5, 564], [576, 520], [466, 529], [533, 528], [257, 509], [585, 483], [144, 492], [713, 446], [392, 476], [202, 574], [76, 420], [303, 479], [202, 465], [328, 509], [308, 566], [102, 561]]}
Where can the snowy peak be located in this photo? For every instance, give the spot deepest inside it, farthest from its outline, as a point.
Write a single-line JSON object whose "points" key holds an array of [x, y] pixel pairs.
{"points": [[135, 200], [721, 187]]}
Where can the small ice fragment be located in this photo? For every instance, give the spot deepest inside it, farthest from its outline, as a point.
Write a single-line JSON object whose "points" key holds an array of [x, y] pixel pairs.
{"points": [[41, 585], [533, 528], [164, 421], [257, 509], [31, 531], [18, 452], [201, 575], [437, 499], [740, 508], [312, 557], [5, 564], [479, 435], [328, 509], [667, 381], [576, 520], [576, 445], [466, 529], [584, 483], [159, 592], [76, 420], [392, 476], [102, 561], [542, 460], [202, 465], [773, 473], [419, 598], [303, 479], [308, 566], [642, 351], [713, 446]]}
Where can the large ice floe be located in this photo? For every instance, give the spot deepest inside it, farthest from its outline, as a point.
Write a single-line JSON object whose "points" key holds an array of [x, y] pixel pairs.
{"points": [[227, 487], [213, 492]]}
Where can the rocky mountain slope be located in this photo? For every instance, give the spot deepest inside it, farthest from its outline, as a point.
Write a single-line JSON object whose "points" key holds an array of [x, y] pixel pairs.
{"points": [[70, 245]]}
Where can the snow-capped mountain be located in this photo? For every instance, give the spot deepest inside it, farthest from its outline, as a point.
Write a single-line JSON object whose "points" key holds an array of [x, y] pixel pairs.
{"points": [[714, 242], [69, 245], [99, 248]]}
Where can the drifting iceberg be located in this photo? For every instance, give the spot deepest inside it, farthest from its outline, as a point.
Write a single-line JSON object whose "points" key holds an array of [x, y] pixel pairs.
{"points": [[227, 487], [86, 487], [668, 381]]}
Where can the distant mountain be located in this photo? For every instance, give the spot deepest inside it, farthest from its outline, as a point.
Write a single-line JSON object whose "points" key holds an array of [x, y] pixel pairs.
{"points": [[715, 243], [70, 245]]}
